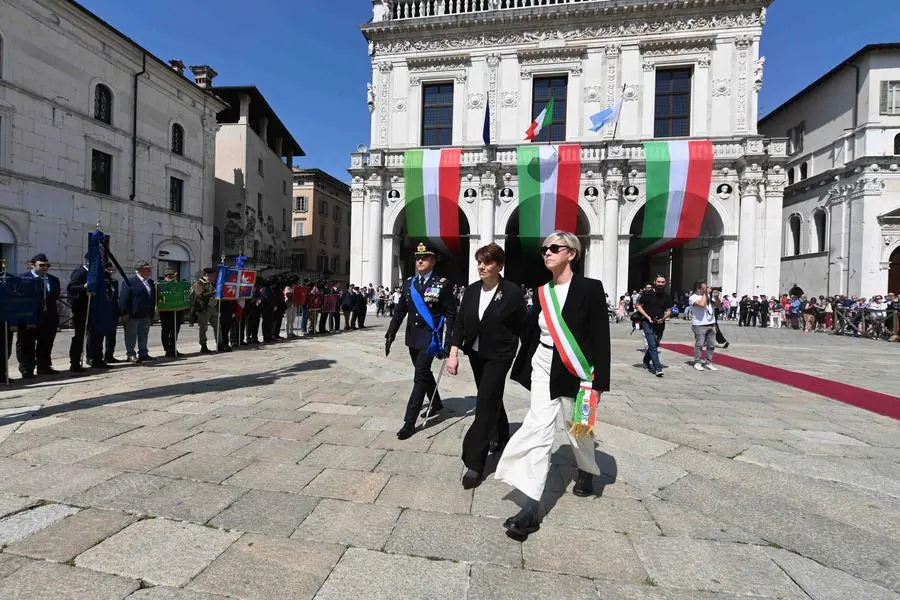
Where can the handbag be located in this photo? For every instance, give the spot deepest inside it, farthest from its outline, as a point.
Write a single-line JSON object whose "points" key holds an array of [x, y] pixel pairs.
{"points": [[720, 337]]}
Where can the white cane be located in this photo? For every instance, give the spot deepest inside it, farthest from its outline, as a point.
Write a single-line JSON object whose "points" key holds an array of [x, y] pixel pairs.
{"points": [[437, 382]]}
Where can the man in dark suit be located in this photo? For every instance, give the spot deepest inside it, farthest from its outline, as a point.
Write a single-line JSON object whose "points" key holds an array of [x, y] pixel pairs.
{"points": [[437, 296], [78, 299], [34, 344], [360, 306], [137, 300], [108, 343], [346, 305]]}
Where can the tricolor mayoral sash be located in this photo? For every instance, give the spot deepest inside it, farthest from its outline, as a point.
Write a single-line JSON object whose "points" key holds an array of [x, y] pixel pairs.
{"points": [[584, 411]]}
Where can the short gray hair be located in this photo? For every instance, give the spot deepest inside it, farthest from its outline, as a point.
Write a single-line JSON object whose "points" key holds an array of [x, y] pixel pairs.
{"points": [[564, 238]]}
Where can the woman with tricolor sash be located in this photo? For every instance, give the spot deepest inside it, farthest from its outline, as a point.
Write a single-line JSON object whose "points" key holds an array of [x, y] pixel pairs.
{"points": [[564, 361]]}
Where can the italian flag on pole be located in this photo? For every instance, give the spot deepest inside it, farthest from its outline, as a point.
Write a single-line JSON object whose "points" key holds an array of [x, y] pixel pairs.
{"points": [[544, 119], [549, 177], [678, 178], [431, 181]]}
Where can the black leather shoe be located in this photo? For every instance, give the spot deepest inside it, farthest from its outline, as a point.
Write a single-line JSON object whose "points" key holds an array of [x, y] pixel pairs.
{"points": [[98, 364], [147, 358], [28, 375], [584, 485], [471, 479], [523, 524], [224, 348], [205, 350], [112, 360], [170, 355], [436, 407], [407, 431], [50, 371], [77, 369]]}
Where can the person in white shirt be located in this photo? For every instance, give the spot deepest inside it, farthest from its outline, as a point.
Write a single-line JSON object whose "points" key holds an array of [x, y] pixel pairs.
{"points": [[703, 324]]}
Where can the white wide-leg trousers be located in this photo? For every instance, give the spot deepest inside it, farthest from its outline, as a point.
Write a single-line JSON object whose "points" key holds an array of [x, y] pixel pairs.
{"points": [[526, 459]]}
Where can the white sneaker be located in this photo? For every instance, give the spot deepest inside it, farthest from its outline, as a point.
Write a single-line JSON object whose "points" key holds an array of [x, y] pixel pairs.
{"points": [[711, 367], [698, 366]]}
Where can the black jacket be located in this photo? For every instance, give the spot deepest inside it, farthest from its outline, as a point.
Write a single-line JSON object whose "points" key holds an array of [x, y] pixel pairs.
{"points": [[77, 291], [347, 300], [440, 300], [498, 330], [134, 300], [586, 314], [47, 310]]}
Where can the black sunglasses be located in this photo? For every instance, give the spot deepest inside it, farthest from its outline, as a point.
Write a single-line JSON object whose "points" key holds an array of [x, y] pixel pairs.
{"points": [[554, 249]]}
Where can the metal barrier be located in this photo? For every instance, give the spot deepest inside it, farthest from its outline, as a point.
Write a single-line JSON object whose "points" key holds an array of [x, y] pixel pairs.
{"points": [[865, 322]]}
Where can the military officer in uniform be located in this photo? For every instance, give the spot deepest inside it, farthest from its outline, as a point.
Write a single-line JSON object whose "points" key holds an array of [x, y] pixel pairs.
{"points": [[437, 296], [206, 306]]}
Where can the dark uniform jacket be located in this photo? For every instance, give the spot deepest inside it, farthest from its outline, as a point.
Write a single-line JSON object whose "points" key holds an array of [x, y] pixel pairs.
{"points": [[498, 329], [438, 297], [585, 313], [77, 292], [47, 310]]}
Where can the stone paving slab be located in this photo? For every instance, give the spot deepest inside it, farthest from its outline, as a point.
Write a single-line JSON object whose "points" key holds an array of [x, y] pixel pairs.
{"points": [[9, 563], [822, 583], [21, 525], [161, 592], [55, 482], [355, 486], [38, 580], [202, 467], [259, 567], [10, 503], [69, 537], [189, 501], [378, 576], [262, 511], [276, 477], [490, 582], [344, 457], [159, 551], [349, 524], [601, 554], [131, 458], [436, 495]]}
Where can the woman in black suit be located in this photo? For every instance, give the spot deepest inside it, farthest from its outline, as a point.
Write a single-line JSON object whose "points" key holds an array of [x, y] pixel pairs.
{"points": [[564, 360], [487, 329]]}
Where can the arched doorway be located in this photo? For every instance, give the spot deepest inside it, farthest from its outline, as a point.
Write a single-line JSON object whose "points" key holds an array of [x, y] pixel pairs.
{"points": [[894, 272], [453, 266], [524, 264], [8, 248], [173, 256], [698, 259]]}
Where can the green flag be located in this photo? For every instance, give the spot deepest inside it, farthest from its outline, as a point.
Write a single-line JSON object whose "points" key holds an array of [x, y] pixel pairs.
{"points": [[173, 295]]}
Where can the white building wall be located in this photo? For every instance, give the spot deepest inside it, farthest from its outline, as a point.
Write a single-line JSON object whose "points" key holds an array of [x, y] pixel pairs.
{"points": [[47, 130]]}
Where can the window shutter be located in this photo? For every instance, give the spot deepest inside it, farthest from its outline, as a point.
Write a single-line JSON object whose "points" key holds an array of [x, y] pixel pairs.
{"points": [[885, 86]]}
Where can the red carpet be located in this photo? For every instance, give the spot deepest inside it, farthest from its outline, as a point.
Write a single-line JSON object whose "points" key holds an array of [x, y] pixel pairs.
{"points": [[876, 402]]}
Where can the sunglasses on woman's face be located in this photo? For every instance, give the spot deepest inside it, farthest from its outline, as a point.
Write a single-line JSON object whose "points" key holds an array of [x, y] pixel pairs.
{"points": [[553, 248]]}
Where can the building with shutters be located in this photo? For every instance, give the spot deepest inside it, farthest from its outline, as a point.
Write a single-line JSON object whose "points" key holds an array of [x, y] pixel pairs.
{"points": [[685, 70], [95, 128], [841, 218]]}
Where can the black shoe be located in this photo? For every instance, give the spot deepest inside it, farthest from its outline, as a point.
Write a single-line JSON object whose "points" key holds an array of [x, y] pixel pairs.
{"points": [[224, 348], [28, 375], [205, 350], [76, 369], [471, 479], [658, 373], [407, 431], [111, 360], [50, 371], [179, 354], [99, 364], [170, 355], [436, 407], [584, 485], [147, 358], [497, 447], [524, 523]]}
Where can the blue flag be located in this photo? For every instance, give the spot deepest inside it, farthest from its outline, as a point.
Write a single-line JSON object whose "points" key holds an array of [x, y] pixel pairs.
{"points": [[102, 321], [220, 281], [599, 120], [486, 132]]}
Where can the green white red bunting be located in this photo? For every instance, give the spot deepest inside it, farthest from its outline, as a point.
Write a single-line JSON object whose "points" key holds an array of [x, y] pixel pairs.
{"points": [[432, 182], [549, 178], [678, 178]]}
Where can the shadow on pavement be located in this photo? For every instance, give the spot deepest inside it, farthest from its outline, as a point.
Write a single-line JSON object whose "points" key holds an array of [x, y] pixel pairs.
{"points": [[176, 389]]}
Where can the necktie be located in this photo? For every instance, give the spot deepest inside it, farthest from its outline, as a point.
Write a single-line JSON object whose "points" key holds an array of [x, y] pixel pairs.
{"points": [[46, 285]]}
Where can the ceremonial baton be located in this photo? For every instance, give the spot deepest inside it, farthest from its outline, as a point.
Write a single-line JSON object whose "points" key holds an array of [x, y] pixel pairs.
{"points": [[437, 382]]}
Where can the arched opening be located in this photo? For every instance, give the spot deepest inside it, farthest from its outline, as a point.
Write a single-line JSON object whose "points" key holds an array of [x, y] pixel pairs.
{"points": [[803, 171], [454, 267], [791, 176], [894, 272], [103, 104], [177, 139], [8, 248], [524, 264], [794, 222], [820, 219], [897, 145], [175, 257], [698, 259]]}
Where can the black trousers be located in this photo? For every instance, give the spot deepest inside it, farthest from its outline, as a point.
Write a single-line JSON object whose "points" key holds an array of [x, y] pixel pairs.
{"points": [[744, 319], [423, 383], [108, 342], [268, 320], [354, 319], [323, 320], [360, 317], [335, 323], [226, 322], [251, 329], [277, 322], [491, 421], [763, 318], [34, 344], [80, 325], [170, 325]]}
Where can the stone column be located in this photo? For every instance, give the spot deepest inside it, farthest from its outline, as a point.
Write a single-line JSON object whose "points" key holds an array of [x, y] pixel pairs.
{"points": [[374, 198], [749, 186], [357, 227], [728, 265], [771, 235], [487, 209], [595, 266], [612, 188]]}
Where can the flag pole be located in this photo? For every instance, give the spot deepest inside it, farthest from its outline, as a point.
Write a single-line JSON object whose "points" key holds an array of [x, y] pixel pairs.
{"points": [[616, 126], [175, 333], [87, 317]]}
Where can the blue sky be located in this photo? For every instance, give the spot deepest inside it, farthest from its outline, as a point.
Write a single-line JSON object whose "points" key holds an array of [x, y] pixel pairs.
{"points": [[309, 59]]}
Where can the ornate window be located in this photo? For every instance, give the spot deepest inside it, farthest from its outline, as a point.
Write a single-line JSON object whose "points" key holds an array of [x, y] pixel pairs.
{"points": [[542, 90], [673, 103], [178, 139], [103, 104], [794, 222], [820, 218], [437, 114]]}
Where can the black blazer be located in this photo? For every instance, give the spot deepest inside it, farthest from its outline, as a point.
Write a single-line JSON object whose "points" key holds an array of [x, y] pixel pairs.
{"points": [[47, 309], [439, 299], [498, 330], [134, 300], [76, 290], [586, 314]]}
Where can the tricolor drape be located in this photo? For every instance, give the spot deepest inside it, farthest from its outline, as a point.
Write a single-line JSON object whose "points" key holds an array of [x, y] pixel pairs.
{"points": [[549, 178], [678, 179], [432, 182]]}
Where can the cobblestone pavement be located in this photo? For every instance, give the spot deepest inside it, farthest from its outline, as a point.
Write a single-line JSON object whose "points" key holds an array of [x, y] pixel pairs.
{"points": [[274, 472]]}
